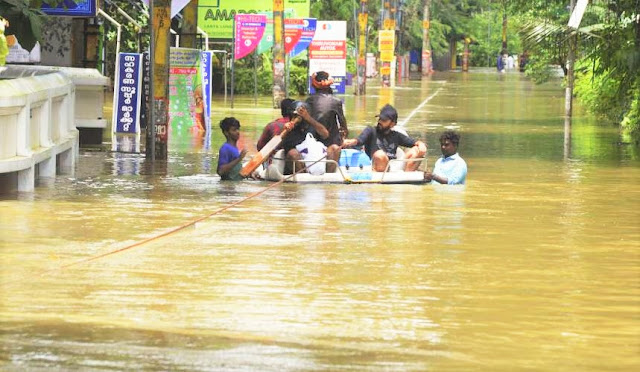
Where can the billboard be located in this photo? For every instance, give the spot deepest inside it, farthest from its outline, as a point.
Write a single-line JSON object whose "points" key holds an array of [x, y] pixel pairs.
{"points": [[328, 52], [215, 17]]}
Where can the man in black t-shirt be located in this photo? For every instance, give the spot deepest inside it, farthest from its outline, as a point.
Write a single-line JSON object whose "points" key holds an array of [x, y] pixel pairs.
{"points": [[381, 143], [327, 109]]}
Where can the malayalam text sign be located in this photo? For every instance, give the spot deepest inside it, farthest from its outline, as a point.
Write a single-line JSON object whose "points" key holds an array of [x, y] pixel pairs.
{"points": [[126, 100]]}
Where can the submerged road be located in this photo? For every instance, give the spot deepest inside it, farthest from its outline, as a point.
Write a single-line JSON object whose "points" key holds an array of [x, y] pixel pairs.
{"points": [[532, 265]]}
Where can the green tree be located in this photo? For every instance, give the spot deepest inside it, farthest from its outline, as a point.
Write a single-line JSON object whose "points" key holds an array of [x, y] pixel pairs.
{"points": [[609, 54]]}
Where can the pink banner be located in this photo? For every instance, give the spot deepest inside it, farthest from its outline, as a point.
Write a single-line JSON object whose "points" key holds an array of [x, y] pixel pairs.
{"points": [[249, 31], [292, 32]]}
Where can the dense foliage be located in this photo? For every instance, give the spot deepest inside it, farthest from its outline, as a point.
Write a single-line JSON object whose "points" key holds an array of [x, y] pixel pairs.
{"points": [[608, 48], [607, 78]]}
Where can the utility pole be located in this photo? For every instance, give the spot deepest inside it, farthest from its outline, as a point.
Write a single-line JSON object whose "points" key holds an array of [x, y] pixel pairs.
{"points": [[568, 93], [157, 137], [427, 66], [189, 25], [279, 88], [465, 54], [362, 49]]}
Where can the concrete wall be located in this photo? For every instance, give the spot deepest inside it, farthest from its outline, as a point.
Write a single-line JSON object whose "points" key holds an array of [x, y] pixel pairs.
{"points": [[37, 129]]}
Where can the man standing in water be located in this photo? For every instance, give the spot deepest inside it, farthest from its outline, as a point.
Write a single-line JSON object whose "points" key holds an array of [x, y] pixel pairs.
{"points": [[327, 109], [450, 169], [381, 143]]}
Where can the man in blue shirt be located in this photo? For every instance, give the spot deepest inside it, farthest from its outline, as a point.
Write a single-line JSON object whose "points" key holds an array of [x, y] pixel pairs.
{"points": [[229, 156], [450, 169]]}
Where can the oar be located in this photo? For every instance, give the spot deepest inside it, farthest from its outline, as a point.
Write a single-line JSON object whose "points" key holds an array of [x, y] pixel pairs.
{"points": [[264, 153]]}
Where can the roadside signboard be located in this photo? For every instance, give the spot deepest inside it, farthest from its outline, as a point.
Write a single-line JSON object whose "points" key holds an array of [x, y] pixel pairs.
{"points": [[249, 31], [292, 33], [308, 32], [127, 93], [328, 52]]}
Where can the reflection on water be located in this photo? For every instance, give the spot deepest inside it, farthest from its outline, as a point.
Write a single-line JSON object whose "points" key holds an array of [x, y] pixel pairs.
{"points": [[532, 265], [449, 201]]}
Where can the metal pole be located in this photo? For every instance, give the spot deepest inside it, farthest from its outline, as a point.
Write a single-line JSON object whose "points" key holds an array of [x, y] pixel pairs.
{"points": [[233, 60]]}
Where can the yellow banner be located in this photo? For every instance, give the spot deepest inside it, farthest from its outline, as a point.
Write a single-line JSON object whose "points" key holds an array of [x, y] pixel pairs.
{"points": [[386, 45], [362, 20]]}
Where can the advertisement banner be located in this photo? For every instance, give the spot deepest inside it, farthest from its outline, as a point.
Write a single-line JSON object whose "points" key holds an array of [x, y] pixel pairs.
{"points": [[292, 33], [308, 31], [328, 52], [386, 45], [127, 93], [249, 31], [266, 43], [186, 93], [215, 17]]}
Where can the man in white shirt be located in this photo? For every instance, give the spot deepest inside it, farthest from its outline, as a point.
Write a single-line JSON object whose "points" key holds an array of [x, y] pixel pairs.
{"points": [[450, 169]]}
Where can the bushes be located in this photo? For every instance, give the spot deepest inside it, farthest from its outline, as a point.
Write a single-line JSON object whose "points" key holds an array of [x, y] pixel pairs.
{"points": [[603, 96], [244, 80]]}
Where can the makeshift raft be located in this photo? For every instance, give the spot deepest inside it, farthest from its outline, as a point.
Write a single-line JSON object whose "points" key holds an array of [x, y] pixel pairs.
{"points": [[354, 167]]}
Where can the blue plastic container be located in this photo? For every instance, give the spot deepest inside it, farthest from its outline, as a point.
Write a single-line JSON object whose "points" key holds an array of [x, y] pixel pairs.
{"points": [[353, 158]]}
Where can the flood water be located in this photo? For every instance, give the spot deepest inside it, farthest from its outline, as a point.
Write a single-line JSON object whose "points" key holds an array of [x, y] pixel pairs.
{"points": [[533, 265]]}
